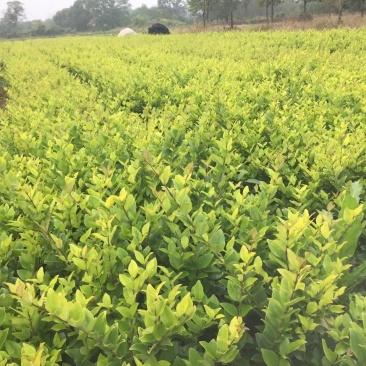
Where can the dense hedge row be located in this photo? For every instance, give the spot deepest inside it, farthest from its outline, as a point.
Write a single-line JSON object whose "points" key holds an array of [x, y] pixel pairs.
{"points": [[186, 200]]}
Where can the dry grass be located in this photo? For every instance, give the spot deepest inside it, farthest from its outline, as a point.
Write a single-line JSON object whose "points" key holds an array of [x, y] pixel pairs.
{"points": [[319, 22]]}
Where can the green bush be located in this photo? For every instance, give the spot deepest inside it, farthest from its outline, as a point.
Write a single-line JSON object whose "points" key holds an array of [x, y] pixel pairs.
{"points": [[175, 201]]}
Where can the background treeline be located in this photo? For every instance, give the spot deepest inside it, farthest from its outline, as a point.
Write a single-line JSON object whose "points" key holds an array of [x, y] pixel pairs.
{"points": [[104, 15]]}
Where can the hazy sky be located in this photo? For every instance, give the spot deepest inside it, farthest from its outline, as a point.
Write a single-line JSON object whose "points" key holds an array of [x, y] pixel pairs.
{"points": [[43, 9]]}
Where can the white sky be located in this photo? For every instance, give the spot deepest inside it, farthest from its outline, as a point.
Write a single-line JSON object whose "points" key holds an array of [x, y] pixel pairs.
{"points": [[43, 9]]}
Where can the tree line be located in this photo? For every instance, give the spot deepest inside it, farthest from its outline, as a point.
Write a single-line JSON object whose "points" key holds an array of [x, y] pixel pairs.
{"points": [[103, 15]]}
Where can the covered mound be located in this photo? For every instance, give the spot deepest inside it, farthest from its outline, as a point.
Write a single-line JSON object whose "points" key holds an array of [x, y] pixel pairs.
{"points": [[126, 32]]}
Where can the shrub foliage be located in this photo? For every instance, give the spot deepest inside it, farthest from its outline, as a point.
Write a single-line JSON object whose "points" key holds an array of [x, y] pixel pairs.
{"points": [[192, 200]]}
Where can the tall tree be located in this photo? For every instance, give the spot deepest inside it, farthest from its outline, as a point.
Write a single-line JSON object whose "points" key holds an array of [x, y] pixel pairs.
{"points": [[266, 4], [38, 28], [143, 15], [76, 17], [231, 2], [175, 8], [245, 6], [103, 14], [340, 5], [305, 4], [233, 6], [269, 4], [201, 7], [14, 13], [63, 18], [81, 16], [107, 14]]}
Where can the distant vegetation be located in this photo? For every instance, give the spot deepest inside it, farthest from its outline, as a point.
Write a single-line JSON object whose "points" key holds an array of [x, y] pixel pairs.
{"points": [[100, 15]]}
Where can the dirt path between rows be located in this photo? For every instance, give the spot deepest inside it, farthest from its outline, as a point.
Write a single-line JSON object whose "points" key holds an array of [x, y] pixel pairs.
{"points": [[3, 99], [3, 94]]}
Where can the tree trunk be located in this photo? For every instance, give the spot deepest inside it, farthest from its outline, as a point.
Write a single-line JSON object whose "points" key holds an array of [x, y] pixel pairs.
{"points": [[305, 2], [267, 5], [362, 8], [231, 15], [204, 14], [340, 12], [207, 11], [245, 10], [329, 10], [272, 10]]}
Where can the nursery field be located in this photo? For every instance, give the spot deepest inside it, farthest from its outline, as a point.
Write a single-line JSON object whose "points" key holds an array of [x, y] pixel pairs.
{"points": [[183, 200]]}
